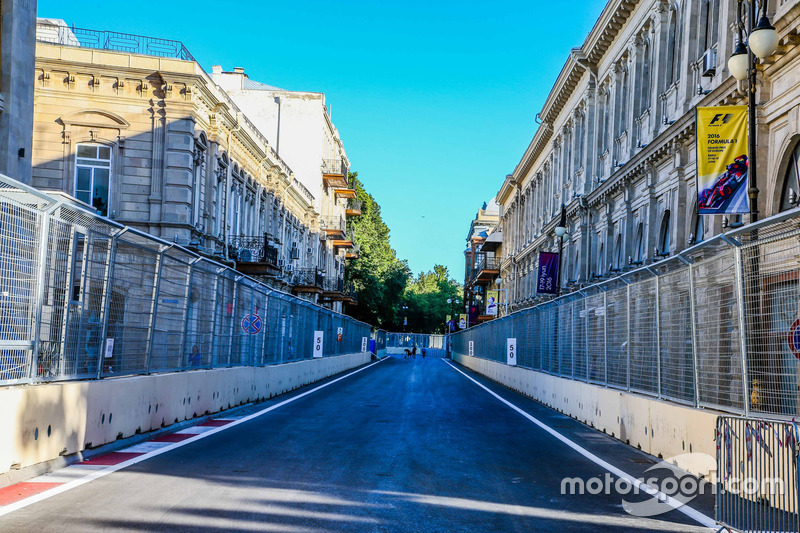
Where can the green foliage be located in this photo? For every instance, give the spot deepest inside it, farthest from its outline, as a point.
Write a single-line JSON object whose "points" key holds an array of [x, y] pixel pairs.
{"points": [[386, 291]]}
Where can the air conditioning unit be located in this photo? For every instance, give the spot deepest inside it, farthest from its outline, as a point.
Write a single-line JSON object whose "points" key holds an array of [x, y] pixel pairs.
{"points": [[281, 263], [290, 268], [310, 250], [709, 63]]}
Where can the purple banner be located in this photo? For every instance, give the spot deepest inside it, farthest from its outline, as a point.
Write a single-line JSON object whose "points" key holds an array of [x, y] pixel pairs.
{"points": [[547, 281]]}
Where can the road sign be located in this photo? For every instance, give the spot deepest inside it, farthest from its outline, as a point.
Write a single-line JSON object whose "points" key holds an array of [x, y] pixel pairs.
{"points": [[318, 337], [251, 324], [794, 338], [511, 352], [339, 334], [363, 344]]}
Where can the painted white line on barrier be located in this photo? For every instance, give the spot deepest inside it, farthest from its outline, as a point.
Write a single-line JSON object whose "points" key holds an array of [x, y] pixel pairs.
{"points": [[10, 508], [694, 514]]}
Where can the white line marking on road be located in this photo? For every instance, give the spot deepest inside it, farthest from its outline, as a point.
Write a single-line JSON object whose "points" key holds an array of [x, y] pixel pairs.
{"points": [[4, 510], [672, 502]]}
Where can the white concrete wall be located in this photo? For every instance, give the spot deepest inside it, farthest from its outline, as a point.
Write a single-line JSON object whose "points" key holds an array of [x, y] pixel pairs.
{"points": [[85, 414], [657, 427]]}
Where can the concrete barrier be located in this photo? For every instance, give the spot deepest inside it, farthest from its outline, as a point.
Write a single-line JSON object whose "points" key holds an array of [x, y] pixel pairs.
{"points": [[657, 427], [42, 422]]}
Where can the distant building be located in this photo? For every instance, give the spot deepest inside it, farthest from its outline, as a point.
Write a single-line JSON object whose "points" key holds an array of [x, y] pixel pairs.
{"points": [[135, 129], [299, 126], [482, 267], [17, 42]]}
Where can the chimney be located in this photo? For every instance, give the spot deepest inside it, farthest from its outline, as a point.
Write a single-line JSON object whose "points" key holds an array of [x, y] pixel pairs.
{"points": [[216, 69]]}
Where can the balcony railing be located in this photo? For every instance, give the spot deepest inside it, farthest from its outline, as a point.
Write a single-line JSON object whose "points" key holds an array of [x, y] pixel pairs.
{"points": [[353, 208], [307, 277], [255, 249], [334, 167], [334, 285], [484, 263], [333, 224], [112, 40]]}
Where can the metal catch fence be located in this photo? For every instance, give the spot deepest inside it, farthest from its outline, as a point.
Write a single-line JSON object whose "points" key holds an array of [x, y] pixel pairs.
{"points": [[756, 489], [435, 345], [83, 297], [717, 326]]}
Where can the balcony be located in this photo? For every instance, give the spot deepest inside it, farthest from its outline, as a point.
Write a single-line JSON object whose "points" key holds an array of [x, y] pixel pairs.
{"points": [[334, 173], [345, 192], [353, 252], [351, 296], [486, 268], [334, 227], [334, 290], [346, 241], [255, 255], [353, 208], [306, 280]]}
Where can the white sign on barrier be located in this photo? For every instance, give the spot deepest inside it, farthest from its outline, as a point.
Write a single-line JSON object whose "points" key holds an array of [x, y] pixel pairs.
{"points": [[511, 351], [471, 349], [363, 344], [109, 348], [318, 336]]}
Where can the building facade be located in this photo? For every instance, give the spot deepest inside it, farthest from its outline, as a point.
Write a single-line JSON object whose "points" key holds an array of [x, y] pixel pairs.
{"points": [[299, 126], [616, 141], [144, 136], [481, 264]]}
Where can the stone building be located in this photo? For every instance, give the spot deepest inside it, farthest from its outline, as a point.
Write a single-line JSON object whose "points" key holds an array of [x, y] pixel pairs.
{"points": [[134, 128], [298, 124], [17, 41], [481, 265], [616, 140]]}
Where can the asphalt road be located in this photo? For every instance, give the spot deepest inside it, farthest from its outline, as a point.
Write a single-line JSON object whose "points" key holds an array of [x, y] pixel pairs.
{"points": [[407, 445]]}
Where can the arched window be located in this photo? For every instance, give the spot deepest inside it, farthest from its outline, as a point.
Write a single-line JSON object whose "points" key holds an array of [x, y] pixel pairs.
{"points": [[645, 83], [618, 259], [639, 253], [93, 176], [791, 181], [672, 52], [663, 235]]}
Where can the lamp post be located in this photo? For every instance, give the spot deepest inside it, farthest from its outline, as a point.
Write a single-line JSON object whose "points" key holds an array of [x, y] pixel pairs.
{"points": [[499, 282], [561, 235], [762, 40]]}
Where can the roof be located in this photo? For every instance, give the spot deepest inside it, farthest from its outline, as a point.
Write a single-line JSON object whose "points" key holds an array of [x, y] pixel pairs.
{"points": [[258, 86]]}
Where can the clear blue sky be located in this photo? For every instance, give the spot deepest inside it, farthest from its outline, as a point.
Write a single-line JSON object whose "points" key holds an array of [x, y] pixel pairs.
{"points": [[435, 101]]}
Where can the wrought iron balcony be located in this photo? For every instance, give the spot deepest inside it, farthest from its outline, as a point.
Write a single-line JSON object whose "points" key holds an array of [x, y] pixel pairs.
{"points": [[354, 252], [334, 173], [353, 208], [255, 255], [334, 227], [486, 267], [112, 40], [346, 241], [306, 280]]}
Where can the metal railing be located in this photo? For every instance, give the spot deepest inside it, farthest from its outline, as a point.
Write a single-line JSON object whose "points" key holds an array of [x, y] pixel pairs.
{"points": [[307, 277], [112, 40], [434, 345], [333, 223], [84, 297], [714, 326], [354, 205], [255, 249], [335, 167], [756, 489], [484, 262]]}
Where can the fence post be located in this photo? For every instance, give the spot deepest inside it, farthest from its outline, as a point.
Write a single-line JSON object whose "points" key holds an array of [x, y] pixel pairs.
{"points": [[658, 335], [213, 347], [693, 312], [742, 306], [107, 292], [605, 338], [154, 310], [188, 300], [628, 344], [40, 289]]}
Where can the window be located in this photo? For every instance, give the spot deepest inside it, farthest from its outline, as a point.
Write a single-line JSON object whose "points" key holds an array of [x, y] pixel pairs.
{"points": [[600, 261], [672, 52], [198, 182], [663, 239], [638, 253], [699, 228], [791, 183], [93, 176], [711, 16], [618, 259]]}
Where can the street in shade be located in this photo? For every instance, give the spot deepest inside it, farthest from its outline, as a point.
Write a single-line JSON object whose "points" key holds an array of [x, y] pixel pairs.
{"points": [[400, 445]]}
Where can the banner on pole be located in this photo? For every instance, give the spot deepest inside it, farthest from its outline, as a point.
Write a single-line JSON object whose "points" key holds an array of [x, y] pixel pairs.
{"points": [[547, 281], [462, 322], [491, 302], [722, 160]]}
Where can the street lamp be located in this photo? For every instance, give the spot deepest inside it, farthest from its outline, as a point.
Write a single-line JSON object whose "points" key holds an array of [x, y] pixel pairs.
{"points": [[561, 235], [762, 41]]}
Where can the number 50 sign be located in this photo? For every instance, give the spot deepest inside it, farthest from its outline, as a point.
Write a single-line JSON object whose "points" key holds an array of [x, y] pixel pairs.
{"points": [[511, 351], [318, 344]]}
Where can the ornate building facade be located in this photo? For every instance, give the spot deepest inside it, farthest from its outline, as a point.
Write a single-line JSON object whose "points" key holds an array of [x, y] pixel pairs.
{"points": [[133, 127], [616, 141]]}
